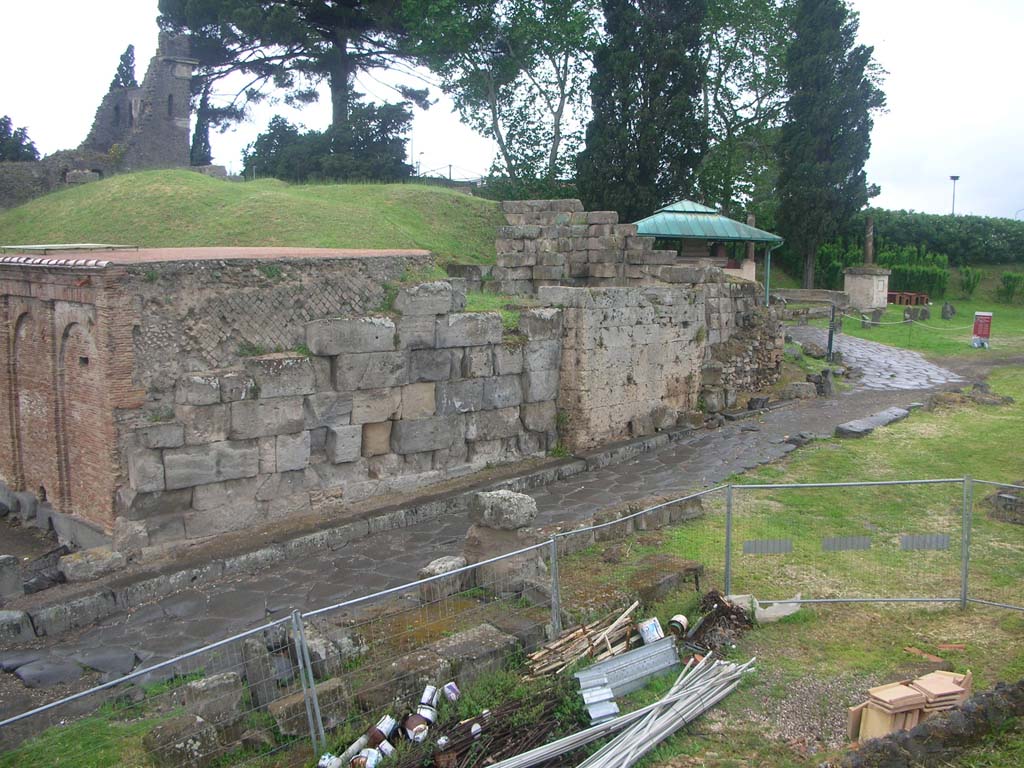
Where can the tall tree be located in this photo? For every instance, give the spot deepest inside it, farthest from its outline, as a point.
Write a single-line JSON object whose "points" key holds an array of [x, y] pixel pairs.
{"points": [[15, 145], [646, 136], [826, 139], [743, 97], [125, 75], [516, 70]]}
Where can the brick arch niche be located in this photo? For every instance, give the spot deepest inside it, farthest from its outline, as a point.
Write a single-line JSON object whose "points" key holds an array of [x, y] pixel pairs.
{"points": [[34, 419]]}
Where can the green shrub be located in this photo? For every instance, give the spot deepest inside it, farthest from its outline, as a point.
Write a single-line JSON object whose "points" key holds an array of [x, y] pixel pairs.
{"points": [[1010, 284], [969, 279], [920, 279]]}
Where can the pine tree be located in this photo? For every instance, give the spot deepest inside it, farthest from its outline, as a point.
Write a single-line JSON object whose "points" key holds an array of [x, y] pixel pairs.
{"points": [[15, 145], [125, 76], [826, 138], [646, 136]]}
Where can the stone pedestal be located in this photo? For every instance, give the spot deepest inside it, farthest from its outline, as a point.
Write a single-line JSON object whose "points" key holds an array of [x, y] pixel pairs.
{"points": [[867, 287]]}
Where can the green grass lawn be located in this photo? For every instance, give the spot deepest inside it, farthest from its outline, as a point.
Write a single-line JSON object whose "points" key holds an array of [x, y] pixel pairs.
{"points": [[181, 208]]}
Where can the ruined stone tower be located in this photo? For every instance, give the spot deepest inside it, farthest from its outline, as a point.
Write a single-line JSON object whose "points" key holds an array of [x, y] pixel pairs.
{"points": [[149, 125]]}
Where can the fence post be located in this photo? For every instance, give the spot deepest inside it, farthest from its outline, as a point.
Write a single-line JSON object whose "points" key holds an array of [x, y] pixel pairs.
{"points": [[728, 539], [316, 726], [556, 597], [965, 538]]}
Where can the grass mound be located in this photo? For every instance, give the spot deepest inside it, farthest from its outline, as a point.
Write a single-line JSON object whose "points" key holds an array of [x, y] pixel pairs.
{"points": [[182, 208]]}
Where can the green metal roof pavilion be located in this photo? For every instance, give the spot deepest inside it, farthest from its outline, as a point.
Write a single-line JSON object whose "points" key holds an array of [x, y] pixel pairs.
{"points": [[687, 220]]}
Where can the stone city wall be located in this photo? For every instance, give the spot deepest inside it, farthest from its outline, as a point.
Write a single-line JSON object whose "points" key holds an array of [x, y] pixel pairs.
{"points": [[380, 404]]}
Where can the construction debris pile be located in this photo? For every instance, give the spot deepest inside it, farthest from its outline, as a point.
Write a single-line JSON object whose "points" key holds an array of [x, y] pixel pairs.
{"points": [[720, 625], [600, 640], [902, 705]]}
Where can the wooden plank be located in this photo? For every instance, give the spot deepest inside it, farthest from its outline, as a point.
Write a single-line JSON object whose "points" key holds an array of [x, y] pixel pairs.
{"points": [[853, 721], [874, 723]]}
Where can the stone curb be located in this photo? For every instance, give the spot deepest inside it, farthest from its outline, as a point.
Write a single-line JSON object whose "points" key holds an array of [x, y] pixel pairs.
{"points": [[85, 610]]}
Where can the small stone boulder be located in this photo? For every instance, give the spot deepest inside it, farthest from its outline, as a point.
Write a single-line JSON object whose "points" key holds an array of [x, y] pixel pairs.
{"points": [[11, 584], [15, 627], [439, 589], [182, 742], [814, 350], [757, 403], [90, 564], [217, 700], [948, 311], [503, 510], [799, 390]]}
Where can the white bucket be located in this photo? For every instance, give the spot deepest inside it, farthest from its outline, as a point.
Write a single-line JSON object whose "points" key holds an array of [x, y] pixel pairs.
{"points": [[650, 630]]}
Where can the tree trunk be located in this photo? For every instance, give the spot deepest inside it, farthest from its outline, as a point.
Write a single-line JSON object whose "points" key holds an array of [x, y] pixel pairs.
{"points": [[810, 256], [340, 78]]}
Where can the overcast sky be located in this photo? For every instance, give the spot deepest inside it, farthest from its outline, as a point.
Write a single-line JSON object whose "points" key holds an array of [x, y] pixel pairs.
{"points": [[954, 91]]}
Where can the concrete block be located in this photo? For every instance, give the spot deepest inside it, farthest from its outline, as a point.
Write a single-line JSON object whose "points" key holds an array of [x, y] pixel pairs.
{"points": [[11, 584], [459, 396], [377, 439], [418, 401], [197, 389], [508, 359], [493, 425], [145, 470], [214, 463], [204, 423], [430, 365], [327, 409], [541, 324], [281, 374], [372, 370], [540, 417], [542, 355], [262, 418], [236, 385], [344, 444], [372, 405], [161, 436], [90, 564], [469, 329], [416, 332], [292, 451], [344, 335], [477, 362], [540, 385], [502, 392], [432, 434], [425, 299]]}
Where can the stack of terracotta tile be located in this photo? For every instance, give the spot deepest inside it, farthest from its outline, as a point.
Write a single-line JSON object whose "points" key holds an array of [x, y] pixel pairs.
{"points": [[900, 706]]}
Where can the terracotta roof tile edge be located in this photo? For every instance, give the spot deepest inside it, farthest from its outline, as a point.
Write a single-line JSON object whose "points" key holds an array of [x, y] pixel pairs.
{"points": [[39, 261]]}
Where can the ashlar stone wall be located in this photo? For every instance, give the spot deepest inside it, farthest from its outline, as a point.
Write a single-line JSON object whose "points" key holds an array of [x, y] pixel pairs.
{"points": [[381, 404]]}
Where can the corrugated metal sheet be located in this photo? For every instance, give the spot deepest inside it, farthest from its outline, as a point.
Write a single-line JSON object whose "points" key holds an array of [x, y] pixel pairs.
{"points": [[629, 671], [687, 220]]}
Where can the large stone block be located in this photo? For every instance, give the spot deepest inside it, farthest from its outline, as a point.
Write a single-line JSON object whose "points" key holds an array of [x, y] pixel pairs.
{"points": [[225, 494], [541, 324], [11, 584], [433, 434], [418, 401], [502, 510], [469, 329], [373, 405], [542, 355], [540, 417], [285, 484], [197, 389], [475, 652], [167, 435], [259, 672], [236, 385], [131, 505], [90, 564], [344, 444], [540, 385], [416, 332], [344, 335], [204, 423], [145, 470], [214, 463], [335, 702], [15, 627], [425, 299], [262, 418], [282, 374], [217, 699], [377, 439], [372, 370], [477, 362], [439, 589], [182, 742], [327, 409], [502, 392], [460, 396], [430, 365], [508, 359], [493, 425], [292, 451], [799, 390]]}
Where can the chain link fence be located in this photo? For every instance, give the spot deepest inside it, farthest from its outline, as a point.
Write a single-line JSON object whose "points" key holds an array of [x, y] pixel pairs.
{"points": [[284, 692]]}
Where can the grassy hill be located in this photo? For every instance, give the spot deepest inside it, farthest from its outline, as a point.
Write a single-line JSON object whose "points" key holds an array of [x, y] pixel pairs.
{"points": [[181, 208]]}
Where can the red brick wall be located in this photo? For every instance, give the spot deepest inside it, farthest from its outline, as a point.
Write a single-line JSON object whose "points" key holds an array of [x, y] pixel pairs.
{"points": [[68, 338]]}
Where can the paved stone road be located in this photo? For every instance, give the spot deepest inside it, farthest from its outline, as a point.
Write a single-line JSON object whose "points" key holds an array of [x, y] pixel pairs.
{"points": [[196, 617]]}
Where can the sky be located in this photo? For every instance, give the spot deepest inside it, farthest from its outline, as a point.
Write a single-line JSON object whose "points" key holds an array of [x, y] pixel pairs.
{"points": [[954, 89]]}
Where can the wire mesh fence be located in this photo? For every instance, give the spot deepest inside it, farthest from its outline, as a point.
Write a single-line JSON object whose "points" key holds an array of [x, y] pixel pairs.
{"points": [[284, 692]]}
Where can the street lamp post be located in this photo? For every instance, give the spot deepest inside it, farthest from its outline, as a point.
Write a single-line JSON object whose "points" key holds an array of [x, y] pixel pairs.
{"points": [[954, 179]]}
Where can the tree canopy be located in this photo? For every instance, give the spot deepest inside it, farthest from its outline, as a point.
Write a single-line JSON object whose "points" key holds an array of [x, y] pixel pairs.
{"points": [[826, 138], [125, 75], [646, 136], [15, 145]]}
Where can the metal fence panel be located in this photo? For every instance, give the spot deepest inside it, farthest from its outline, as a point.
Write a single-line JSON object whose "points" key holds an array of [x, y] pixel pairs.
{"points": [[996, 572]]}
